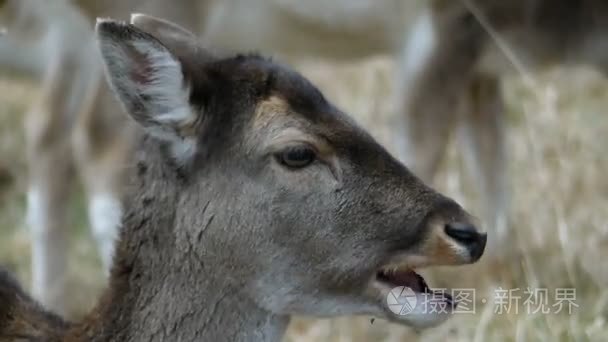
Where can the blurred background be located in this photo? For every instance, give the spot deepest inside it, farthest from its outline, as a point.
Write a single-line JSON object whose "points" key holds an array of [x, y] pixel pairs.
{"points": [[557, 139]]}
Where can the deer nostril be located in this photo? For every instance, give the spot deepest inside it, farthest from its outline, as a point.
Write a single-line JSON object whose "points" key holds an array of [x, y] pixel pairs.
{"points": [[467, 235], [463, 233]]}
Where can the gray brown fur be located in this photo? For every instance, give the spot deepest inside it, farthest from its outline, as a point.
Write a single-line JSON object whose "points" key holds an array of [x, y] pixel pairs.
{"points": [[22, 319]]}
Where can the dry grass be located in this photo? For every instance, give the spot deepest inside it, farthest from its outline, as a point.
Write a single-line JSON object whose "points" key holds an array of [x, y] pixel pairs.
{"points": [[557, 140]]}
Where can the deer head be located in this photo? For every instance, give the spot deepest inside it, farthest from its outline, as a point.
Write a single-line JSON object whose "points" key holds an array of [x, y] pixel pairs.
{"points": [[248, 178]]}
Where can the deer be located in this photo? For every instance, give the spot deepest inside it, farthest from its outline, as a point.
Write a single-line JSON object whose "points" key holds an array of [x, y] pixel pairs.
{"points": [[456, 55], [252, 198]]}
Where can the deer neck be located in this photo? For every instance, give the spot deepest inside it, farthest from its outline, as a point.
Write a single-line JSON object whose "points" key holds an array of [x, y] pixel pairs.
{"points": [[179, 309], [165, 298], [164, 289]]}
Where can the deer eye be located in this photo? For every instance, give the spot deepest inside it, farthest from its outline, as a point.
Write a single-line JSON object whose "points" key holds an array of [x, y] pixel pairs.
{"points": [[296, 157]]}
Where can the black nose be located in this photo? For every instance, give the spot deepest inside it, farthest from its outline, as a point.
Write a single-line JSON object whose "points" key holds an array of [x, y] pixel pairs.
{"points": [[469, 237]]}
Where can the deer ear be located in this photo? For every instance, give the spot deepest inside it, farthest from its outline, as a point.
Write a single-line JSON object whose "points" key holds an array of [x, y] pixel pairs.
{"points": [[149, 81]]}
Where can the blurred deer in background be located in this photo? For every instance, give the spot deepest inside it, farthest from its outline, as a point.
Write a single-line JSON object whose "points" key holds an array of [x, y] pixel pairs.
{"points": [[448, 78], [451, 70]]}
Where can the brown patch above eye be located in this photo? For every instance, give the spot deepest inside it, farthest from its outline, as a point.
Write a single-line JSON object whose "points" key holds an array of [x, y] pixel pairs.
{"points": [[270, 109], [287, 127]]}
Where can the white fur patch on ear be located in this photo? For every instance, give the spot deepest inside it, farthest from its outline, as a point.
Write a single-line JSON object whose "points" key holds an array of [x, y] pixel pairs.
{"points": [[149, 81], [164, 87]]}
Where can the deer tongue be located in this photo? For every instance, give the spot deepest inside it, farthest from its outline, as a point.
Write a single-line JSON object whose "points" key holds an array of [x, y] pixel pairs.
{"points": [[404, 277]]}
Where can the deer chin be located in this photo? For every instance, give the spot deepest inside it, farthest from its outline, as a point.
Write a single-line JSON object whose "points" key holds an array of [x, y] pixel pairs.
{"points": [[406, 298]]}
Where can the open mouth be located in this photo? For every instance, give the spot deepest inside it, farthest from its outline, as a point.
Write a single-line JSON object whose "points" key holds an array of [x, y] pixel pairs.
{"points": [[393, 277]]}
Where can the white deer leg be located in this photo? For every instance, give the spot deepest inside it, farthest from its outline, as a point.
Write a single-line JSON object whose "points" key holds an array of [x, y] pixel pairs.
{"points": [[101, 152], [419, 48], [439, 59], [484, 136], [46, 217], [50, 166]]}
